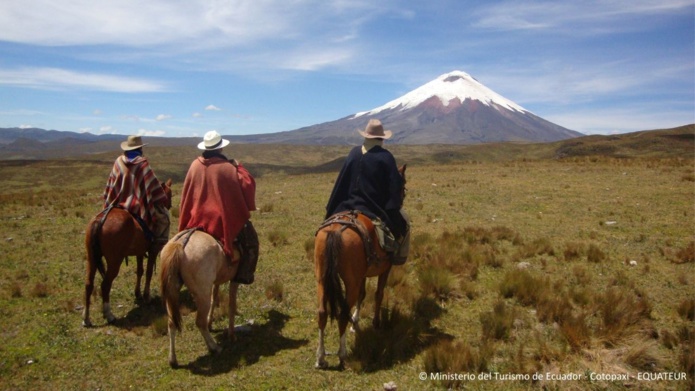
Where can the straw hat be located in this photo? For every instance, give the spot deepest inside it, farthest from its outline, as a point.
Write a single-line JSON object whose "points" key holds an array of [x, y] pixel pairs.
{"points": [[133, 142], [212, 140], [375, 129]]}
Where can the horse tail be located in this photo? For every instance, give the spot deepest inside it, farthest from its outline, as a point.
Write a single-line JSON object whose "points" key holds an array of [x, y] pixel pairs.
{"points": [[170, 280], [94, 254], [337, 304]]}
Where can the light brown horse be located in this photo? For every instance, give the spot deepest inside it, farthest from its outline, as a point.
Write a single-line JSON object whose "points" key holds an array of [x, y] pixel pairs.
{"points": [[118, 237], [197, 260], [340, 253]]}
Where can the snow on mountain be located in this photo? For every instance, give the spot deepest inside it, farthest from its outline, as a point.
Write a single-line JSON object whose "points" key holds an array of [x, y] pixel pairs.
{"points": [[447, 87]]}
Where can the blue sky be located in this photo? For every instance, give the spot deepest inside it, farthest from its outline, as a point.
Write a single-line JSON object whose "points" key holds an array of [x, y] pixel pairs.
{"points": [[183, 67]]}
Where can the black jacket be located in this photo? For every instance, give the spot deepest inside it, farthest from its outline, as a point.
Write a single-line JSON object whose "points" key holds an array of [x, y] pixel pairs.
{"points": [[370, 183]]}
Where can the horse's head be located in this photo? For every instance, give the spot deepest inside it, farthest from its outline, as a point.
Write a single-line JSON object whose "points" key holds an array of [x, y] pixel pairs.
{"points": [[167, 190], [404, 189]]}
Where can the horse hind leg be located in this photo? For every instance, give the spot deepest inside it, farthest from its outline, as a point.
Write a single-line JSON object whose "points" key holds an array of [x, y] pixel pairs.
{"points": [[151, 262], [111, 273], [321, 362], [173, 362], [204, 304], [140, 271], [358, 306], [88, 290], [379, 297]]}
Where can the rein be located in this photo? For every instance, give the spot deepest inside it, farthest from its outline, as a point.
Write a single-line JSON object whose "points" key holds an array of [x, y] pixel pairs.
{"points": [[348, 219]]}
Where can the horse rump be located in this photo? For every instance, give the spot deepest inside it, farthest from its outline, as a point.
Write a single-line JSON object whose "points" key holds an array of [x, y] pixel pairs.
{"points": [[335, 297], [170, 280]]}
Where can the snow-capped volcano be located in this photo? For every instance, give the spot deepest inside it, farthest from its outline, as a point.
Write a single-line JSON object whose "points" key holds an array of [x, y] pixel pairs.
{"points": [[448, 87], [455, 108]]}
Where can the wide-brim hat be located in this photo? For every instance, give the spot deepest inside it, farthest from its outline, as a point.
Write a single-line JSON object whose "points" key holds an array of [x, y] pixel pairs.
{"points": [[133, 142], [212, 140], [375, 129]]}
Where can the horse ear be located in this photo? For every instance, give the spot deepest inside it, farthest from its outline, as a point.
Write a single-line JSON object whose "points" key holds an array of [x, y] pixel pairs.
{"points": [[402, 169], [169, 182]]}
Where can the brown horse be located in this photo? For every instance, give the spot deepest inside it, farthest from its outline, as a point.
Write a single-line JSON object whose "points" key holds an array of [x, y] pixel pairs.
{"points": [[118, 237], [347, 248], [197, 260]]}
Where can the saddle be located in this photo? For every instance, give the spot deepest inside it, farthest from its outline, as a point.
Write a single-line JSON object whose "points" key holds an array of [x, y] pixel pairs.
{"points": [[247, 241], [364, 227], [149, 235]]}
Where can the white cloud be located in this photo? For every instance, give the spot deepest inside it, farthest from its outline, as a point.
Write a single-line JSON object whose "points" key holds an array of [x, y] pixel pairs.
{"points": [[197, 115], [595, 16], [84, 130], [151, 133], [97, 112], [106, 129], [162, 117], [212, 108], [55, 78], [24, 126]]}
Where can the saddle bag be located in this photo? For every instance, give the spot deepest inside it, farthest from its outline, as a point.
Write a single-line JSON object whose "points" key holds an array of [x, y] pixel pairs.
{"points": [[386, 239], [248, 246]]}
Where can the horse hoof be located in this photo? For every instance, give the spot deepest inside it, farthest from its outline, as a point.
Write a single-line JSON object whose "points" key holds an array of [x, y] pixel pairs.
{"points": [[321, 364], [174, 364], [86, 323]]}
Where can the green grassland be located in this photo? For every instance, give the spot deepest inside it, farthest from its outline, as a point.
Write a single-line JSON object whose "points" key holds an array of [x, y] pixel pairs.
{"points": [[575, 257]]}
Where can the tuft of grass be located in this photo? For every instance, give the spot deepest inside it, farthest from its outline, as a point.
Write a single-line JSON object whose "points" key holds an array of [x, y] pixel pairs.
{"points": [[309, 248], [643, 356], [595, 254], [277, 237], [686, 254], [456, 357], [275, 291], [497, 324], [438, 282], [574, 250], [160, 326], [40, 289], [686, 309], [15, 289], [621, 313]]}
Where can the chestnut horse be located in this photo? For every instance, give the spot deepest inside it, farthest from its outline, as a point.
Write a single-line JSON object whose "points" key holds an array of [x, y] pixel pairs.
{"points": [[115, 237], [197, 260], [347, 248]]}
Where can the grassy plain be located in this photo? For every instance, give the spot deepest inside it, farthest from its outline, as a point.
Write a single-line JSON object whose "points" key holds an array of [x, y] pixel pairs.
{"points": [[526, 259]]}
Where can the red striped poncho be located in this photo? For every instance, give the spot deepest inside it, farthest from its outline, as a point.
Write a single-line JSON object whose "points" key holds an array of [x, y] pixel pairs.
{"points": [[217, 197], [133, 186]]}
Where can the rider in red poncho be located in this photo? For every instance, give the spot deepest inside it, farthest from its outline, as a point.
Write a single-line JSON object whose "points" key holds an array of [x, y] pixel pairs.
{"points": [[218, 194]]}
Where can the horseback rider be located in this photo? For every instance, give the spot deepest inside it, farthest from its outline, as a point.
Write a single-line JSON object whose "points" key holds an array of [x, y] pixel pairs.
{"points": [[133, 186], [369, 182], [218, 194]]}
